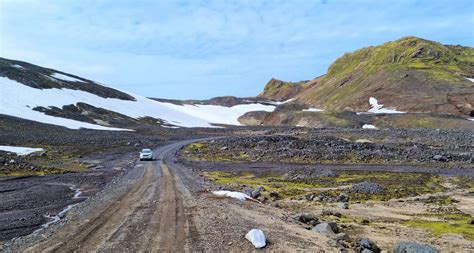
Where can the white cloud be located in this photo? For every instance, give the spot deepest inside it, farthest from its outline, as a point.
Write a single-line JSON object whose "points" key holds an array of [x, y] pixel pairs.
{"points": [[214, 47]]}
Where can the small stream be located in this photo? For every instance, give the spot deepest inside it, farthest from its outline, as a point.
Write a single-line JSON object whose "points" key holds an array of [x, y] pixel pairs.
{"points": [[60, 215]]}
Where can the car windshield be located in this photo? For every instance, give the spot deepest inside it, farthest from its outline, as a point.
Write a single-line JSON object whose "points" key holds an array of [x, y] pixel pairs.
{"points": [[146, 151]]}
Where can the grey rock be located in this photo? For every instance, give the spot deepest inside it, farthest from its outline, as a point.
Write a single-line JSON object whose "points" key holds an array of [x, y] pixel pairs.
{"points": [[328, 229], [2, 160], [366, 244], [412, 247], [341, 237], [255, 193], [440, 158], [307, 218], [343, 205]]}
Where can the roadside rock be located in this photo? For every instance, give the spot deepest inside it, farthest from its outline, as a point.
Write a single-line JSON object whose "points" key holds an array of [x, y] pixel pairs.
{"points": [[412, 247], [257, 238], [343, 205], [343, 197], [440, 158], [328, 229], [367, 187], [341, 237], [364, 245], [307, 219]]}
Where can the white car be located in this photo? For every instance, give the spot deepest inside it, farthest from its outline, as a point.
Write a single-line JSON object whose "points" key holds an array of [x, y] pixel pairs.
{"points": [[146, 154]]}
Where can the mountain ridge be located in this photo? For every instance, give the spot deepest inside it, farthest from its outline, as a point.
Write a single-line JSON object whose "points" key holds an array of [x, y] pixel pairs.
{"points": [[410, 74]]}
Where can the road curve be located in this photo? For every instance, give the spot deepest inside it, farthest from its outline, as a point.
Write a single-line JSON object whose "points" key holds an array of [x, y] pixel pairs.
{"points": [[149, 217]]}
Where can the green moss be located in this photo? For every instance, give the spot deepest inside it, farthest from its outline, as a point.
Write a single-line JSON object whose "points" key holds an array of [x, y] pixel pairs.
{"points": [[353, 72], [423, 121], [396, 185], [71, 167], [272, 183], [455, 223]]}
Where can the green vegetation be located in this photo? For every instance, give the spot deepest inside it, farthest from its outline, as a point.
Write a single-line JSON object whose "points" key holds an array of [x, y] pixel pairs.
{"points": [[277, 89], [200, 151], [456, 223], [423, 121], [272, 183], [55, 160], [396, 185], [427, 62]]}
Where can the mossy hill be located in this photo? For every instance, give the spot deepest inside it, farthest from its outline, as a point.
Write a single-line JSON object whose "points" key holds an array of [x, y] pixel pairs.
{"points": [[409, 74]]}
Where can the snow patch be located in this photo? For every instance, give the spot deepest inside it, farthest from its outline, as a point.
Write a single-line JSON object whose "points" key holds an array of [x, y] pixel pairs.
{"points": [[378, 108], [20, 150], [368, 126], [471, 119], [65, 77], [280, 103], [470, 79], [313, 110], [18, 100], [17, 66], [231, 194], [219, 114]]}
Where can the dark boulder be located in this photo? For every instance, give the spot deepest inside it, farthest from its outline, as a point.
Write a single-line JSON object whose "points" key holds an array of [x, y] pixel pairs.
{"points": [[366, 245]]}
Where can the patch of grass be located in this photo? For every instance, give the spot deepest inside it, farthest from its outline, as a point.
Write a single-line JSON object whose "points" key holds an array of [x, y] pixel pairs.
{"points": [[456, 223], [463, 182], [272, 183], [422, 121], [43, 172], [200, 151], [396, 185]]}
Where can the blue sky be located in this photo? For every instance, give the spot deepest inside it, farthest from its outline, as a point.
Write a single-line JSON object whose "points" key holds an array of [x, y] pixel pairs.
{"points": [[200, 49]]}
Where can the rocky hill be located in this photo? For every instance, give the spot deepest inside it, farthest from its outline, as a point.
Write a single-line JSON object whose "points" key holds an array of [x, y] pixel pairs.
{"points": [[409, 75], [280, 90]]}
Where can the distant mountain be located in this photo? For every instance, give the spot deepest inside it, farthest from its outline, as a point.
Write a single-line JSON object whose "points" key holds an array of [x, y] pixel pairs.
{"points": [[53, 97], [409, 75]]}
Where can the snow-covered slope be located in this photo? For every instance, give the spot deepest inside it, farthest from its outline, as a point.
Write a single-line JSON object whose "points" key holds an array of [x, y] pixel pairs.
{"points": [[18, 100]]}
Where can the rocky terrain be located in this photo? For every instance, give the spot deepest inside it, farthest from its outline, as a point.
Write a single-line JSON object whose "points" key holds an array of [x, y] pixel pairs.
{"points": [[414, 147], [335, 183], [375, 156]]}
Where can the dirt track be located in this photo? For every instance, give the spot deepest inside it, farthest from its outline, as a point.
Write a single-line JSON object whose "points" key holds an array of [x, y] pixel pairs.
{"points": [[149, 217], [162, 206]]}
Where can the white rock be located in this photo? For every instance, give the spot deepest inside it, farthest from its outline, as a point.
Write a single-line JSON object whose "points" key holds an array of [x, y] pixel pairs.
{"points": [[257, 238]]}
